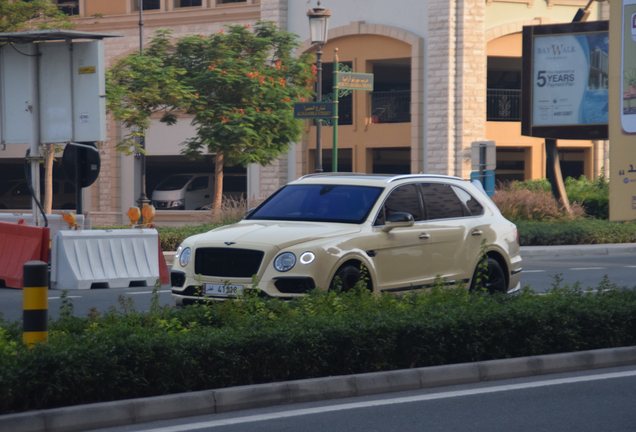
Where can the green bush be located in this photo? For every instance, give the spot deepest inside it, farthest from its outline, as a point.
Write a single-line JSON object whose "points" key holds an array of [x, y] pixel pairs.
{"points": [[171, 237], [593, 195], [128, 354], [585, 231]]}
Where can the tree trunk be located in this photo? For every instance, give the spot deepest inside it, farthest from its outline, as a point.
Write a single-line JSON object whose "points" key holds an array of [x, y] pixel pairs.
{"points": [[48, 178], [553, 173], [218, 185]]}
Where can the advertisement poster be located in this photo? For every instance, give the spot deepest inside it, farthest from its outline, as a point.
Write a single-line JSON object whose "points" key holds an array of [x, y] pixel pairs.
{"points": [[628, 67], [622, 120], [570, 79]]}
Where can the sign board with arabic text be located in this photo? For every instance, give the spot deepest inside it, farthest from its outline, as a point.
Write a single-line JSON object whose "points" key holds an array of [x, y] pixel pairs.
{"points": [[355, 81], [313, 110]]}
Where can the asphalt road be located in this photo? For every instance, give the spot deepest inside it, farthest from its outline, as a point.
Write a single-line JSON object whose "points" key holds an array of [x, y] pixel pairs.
{"points": [[543, 268], [599, 400]]}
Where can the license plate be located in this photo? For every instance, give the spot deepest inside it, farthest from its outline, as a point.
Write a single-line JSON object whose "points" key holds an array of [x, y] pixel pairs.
{"points": [[221, 289]]}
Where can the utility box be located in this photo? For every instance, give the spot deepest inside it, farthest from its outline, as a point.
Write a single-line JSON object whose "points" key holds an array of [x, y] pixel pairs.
{"points": [[71, 86]]}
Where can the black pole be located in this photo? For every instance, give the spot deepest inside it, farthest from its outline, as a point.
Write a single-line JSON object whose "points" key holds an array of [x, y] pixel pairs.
{"points": [[319, 121], [143, 198], [79, 158]]}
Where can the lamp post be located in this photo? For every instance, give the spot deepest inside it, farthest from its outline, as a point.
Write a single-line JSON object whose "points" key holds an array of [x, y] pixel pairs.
{"points": [[319, 26], [143, 199]]}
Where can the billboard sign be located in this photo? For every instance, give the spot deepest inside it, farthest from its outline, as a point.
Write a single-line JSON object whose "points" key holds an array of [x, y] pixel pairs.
{"points": [[565, 95], [622, 115]]}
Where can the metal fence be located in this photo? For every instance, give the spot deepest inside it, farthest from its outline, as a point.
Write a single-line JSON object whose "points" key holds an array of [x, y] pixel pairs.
{"points": [[391, 106], [503, 105]]}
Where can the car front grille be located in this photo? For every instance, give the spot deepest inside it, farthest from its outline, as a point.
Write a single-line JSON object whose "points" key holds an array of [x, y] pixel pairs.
{"points": [[226, 262]]}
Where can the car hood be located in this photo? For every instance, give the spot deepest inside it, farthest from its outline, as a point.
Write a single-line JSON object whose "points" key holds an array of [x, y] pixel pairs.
{"points": [[278, 234]]}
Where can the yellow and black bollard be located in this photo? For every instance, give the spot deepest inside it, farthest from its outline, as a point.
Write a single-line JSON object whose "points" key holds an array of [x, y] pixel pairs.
{"points": [[36, 302]]}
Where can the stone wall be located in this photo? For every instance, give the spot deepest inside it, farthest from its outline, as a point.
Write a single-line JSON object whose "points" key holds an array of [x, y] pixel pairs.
{"points": [[456, 84]]}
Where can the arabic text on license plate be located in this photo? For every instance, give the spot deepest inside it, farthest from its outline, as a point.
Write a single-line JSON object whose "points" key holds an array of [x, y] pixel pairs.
{"points": [[221, 289]]}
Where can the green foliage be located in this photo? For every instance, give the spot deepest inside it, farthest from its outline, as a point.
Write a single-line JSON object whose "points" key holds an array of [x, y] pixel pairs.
{"points": [[240, 84], [17, 15], [171, 237], [593, 195], [585, 231], [139, 85], [532, 199], [250, 340]]}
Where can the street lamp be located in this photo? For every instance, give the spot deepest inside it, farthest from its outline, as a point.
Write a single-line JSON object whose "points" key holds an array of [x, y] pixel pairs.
{"points": [[143, 198], [319, 26]]}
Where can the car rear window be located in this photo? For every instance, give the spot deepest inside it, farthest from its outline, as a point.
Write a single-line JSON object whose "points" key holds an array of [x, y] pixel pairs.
{"points": [[321, 203]]}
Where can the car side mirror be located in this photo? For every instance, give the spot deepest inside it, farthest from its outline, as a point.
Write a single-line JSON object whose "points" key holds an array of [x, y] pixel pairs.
{"points": [[398, 220]]}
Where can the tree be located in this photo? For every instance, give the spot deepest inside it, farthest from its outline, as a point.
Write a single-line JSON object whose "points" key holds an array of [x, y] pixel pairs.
{"points": [[243, 84], [37, 14], [19, 15]]}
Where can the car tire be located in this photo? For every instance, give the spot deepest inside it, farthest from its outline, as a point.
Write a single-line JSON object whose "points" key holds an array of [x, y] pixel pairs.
{"points": [[348, 275], [494, 279]]}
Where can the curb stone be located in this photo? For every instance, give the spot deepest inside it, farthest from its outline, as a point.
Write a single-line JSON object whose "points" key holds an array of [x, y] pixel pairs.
{"points": [[142, 410]]}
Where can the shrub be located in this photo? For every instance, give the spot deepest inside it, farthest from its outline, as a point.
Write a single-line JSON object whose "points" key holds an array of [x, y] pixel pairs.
{"points": [[593, 195], [519, 201], [128, 354], [585, 231]]}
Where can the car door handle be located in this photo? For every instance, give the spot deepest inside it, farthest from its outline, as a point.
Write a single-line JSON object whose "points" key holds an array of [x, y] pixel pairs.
{"points": [[477, 232], [207, 196], [425, 236]]}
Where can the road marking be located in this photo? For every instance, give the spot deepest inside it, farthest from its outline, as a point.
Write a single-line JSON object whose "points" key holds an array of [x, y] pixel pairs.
{"points": [[147, 292], [56, 298], [394, 401], [534, 271], [630, 266], [588, 268]]}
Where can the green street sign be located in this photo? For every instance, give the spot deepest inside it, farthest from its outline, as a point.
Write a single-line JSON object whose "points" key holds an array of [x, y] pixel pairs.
{"points": [[355, 81], [313, 110]]}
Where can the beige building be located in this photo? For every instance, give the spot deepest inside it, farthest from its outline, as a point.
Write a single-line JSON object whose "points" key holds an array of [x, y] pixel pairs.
{"points": [[447, 73]]}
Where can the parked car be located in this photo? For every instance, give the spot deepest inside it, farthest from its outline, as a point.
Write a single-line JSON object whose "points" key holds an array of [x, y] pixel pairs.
{"points": [[194, 191], [327, 230], [15, 194]]}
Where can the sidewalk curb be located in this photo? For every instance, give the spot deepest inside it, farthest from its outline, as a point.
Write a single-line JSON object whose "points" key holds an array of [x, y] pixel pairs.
{"points": [[135, 411]]}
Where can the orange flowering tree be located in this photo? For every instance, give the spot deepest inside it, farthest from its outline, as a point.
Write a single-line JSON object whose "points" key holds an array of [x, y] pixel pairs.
{"points": [[242, 84]]}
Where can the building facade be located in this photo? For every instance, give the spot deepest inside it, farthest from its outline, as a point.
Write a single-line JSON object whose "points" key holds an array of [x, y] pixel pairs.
{"points": [[446, 73]]}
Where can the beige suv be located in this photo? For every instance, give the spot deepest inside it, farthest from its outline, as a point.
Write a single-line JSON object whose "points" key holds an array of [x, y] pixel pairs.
{"points": [[320, 230]]}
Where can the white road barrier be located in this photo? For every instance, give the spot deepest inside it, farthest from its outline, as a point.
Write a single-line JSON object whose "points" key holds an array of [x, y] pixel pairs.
{"points": [[104, 259]]}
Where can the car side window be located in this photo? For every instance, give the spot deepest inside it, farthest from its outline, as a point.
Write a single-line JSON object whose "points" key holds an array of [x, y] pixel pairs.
{"points": [[198, 183], [441, 202], [403, 199], [473, 208]]}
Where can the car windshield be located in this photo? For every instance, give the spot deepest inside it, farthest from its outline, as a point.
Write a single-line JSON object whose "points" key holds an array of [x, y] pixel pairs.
{"points": [[320, 203], [174, 182]]}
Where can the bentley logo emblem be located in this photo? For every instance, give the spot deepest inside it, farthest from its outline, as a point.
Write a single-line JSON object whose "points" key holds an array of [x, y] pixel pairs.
{"points": [[230, 243]]}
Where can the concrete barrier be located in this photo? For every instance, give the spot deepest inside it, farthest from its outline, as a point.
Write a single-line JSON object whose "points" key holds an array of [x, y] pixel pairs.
{"points": [[105, 259]]}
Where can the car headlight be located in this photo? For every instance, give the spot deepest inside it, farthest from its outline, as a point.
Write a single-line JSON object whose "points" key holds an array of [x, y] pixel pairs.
{"points": [[177, 203], [184, 257], [307, 258], [285, 261]]}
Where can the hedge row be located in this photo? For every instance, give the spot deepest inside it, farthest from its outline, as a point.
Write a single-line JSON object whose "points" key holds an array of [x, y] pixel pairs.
{"points": [[259, 341], [585, 231]]}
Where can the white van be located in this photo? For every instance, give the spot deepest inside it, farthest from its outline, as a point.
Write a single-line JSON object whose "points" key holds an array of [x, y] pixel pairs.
{"points": [[193, 191]]}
